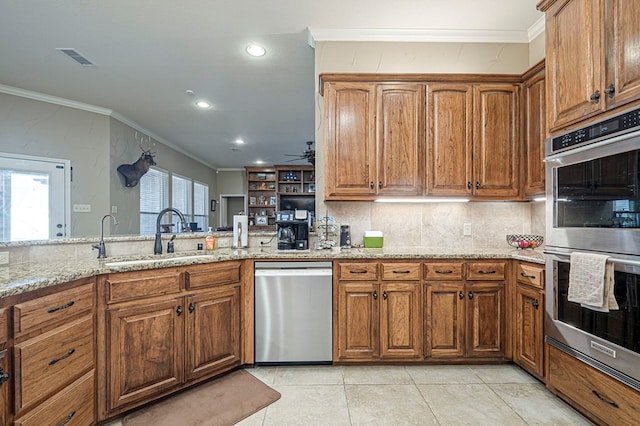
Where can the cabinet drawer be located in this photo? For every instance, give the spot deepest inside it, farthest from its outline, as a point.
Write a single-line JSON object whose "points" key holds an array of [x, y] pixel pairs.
{"points": [[485, 271], [357, 271], [214, 274], [73, 406], [594, 391], [137, 285], [49, 362], [530, 274], [49, 311], [401, 271], [445, 271]]}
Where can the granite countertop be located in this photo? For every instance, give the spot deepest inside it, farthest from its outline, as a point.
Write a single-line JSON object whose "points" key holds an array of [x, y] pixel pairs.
{"points": [[18, 278]]}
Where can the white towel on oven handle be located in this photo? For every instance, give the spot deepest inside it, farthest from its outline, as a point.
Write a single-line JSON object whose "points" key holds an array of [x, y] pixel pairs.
{"points": [[591, 281]]}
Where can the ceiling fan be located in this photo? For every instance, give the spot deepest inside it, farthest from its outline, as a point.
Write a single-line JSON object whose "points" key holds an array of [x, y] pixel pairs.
{"points": [[308, 154]]}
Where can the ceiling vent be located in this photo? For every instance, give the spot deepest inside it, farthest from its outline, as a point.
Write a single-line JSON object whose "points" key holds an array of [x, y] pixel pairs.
{"points": [[73, 54]]}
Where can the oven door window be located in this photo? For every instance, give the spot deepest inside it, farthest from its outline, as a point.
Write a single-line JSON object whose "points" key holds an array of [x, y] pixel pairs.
{"points": [[621, 326], [600, 193]]}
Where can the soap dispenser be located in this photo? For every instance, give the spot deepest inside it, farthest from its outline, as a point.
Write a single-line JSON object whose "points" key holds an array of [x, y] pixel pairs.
{"points": [[209, 241]]}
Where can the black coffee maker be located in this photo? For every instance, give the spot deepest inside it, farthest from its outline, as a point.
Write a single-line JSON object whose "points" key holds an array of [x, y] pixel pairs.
{"points": [[293, 229]]}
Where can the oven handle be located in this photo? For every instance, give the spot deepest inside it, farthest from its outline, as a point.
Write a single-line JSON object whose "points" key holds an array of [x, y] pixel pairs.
{"points": [[615, 260]]}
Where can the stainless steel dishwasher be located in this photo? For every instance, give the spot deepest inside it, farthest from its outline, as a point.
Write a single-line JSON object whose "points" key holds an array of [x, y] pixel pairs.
{"points": [[293, 312]]}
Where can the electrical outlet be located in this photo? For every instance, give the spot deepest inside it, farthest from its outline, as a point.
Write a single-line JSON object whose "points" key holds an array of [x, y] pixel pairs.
{"points": [[82, 208], [466, 229], [4, 257], [114, 209]]}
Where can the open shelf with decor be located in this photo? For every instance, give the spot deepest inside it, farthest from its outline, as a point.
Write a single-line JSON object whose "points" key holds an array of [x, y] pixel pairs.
{"points": [[296, 187], [261, 197]]}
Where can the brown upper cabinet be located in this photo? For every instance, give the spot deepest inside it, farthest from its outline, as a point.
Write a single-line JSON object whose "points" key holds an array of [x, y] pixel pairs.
{"points": [[375, 135], [592, 63], [473, 140], [534, 110]]}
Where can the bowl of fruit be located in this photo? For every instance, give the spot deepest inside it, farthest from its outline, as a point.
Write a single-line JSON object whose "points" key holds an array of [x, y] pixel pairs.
{"points": [[521, 241]]}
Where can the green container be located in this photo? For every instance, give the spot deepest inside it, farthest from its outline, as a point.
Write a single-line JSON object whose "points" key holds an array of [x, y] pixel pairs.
{"points": [[373, 242]]}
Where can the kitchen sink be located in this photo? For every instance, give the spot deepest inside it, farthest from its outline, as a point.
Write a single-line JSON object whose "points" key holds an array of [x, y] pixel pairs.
{"points": [[125, 263]]}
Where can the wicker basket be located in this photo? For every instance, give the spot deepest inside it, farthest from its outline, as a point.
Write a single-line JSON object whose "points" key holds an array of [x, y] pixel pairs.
{"points": [[522, 241]]}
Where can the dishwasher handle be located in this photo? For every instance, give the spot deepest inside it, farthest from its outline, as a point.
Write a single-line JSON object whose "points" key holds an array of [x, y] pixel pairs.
{"points": [[294, 272]]}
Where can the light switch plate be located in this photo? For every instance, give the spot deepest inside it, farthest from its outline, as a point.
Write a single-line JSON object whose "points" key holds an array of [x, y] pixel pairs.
{"points": [[466, 229], [4, 257]]}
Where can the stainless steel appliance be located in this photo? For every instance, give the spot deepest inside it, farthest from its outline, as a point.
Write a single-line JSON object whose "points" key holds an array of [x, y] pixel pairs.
{"points": [[292, 227], [293, 312], [593, 205], [345, 236]]}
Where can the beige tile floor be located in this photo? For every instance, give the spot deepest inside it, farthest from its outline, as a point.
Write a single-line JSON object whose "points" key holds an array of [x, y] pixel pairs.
{"points": [[408, 395]]}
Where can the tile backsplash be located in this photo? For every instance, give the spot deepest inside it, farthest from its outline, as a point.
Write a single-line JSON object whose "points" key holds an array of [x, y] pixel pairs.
{"points": [[440, 225]]}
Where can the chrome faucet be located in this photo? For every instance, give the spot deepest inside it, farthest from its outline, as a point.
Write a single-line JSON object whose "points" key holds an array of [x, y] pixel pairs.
{"points": [[157, 247], [102, 250]]}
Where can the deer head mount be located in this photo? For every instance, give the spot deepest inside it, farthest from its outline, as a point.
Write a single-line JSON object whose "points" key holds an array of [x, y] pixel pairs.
{"points": [[133, 172]]}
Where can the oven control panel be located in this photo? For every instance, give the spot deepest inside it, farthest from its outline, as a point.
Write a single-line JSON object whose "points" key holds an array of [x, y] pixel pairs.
{"points": [[621, 123]]}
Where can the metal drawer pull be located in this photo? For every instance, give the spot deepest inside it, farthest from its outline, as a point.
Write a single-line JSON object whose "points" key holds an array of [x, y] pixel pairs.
{"points": [[68, 419], [461, 295], [359, 271], [470, 295], [4, 377], [191, 308], [608, 401], [65, 356], [58, 308], [384, 295], [486, 272], [440, 271], [535, 304], [375, 295], [527, 276], [401, 272]]}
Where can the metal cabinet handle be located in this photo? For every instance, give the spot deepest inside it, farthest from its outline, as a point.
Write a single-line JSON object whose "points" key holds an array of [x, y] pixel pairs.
{"points": [[595, 98], [191, 307], [486, 272], [68, 418], [522, 274], [59, 308], [396, 271], [65, 356], [470, 295], [477, 185], [375, 295], [380, 184], [371, 184], [535, 304], [608, 401], [461, 295], [610, 90], [468, 185], [4, 377], [384, 295], [179, 310], [358, 271], [440, 271]]}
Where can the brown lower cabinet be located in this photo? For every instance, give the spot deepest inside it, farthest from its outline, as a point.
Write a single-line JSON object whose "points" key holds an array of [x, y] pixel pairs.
{"points": [[603, 399], [181, 327], [465, 309], [379, 315], [529, 318]]}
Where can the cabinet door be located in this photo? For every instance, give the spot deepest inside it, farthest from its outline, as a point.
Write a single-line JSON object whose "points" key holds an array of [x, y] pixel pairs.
{"points": [[574, 60], [445, 309], [400, 321], [145, 347], [358, 333], [535, 131], [449, 139], [485, 320], [496, 140], [528, 328], [623, 62], [350, 135], [401, 139], [213, 332]]}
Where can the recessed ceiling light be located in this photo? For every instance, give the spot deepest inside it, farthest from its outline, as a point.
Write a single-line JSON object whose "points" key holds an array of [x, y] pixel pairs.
{"points": [[239, 141], [203, 104], [255, 50], [259, 162]]}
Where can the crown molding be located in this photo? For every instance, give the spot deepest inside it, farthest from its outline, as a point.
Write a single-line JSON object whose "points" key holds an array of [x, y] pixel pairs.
{"points": [[426, 35], [42, 97]]}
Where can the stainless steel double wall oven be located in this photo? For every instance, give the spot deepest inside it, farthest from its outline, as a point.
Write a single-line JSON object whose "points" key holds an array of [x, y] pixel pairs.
{"points": [[593, 205]]}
